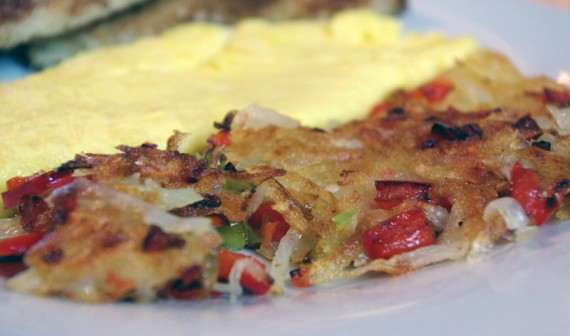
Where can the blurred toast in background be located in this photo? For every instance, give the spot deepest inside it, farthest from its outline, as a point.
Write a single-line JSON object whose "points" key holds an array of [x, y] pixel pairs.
{"points": [[147, 18], [25, 20]]}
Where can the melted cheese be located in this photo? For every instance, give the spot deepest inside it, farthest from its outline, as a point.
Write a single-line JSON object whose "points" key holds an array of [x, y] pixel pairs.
{"points": [[320, 72]]}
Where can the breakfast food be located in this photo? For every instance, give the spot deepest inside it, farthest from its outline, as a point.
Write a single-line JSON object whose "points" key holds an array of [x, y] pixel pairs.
{"points": [[141, 92], [23, 20], [436, 170], [439, 172], [153, 17]]}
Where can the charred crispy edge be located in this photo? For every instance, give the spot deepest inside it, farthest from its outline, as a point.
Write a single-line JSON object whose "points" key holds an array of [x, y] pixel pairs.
{"points": [[205, 207], [157, 240], [226, 124], [80, 162]]}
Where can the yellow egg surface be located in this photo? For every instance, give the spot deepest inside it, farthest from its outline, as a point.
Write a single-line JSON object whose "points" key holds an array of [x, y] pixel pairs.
{"points": [[319, 72]]}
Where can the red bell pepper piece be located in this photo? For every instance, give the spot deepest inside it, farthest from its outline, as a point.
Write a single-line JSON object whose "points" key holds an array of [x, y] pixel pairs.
{"points": [[524, 187], [380, 108], [434, 91], [404, 232], [222, 138], [34, 185], [559, 97], [271, 223], [19, 244], [300, 278], [392, 193], [254, 280]]}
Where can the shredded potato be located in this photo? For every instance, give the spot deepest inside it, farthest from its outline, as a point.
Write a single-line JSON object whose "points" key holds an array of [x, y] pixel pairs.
{"points": [[420, 181]]}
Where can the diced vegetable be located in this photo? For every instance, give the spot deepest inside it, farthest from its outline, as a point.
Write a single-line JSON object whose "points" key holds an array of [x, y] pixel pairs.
{"points": [[558, 97], [524, 187], [340, 220], [434, 92], [222, 138], [238, 236], [380, 108], [34, 186], [254, 278], [19, 244], [271, 223], [392, 193], [404, 232]]}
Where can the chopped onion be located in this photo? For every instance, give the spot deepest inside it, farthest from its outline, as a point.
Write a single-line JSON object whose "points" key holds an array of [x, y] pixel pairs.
{"points": [[257, 117], [510, 210], [233, 287], [257, 198], [10, 227], [436, 215], [151, 213], [175, 224], [513, 214], [332, 188], [507, 172], [413, 260], [167, 198], [479, 248], [432, 254], [234, 278], [347, 143], [544, 122], [280, 264], [562, 117], [175, 198]]}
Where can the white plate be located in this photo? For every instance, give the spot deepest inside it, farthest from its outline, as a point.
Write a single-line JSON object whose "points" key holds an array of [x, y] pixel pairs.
{"points": [[519, 289]]}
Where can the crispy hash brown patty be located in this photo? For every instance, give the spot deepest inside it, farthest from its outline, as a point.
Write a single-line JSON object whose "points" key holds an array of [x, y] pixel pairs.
{"points": [[441, 172]]}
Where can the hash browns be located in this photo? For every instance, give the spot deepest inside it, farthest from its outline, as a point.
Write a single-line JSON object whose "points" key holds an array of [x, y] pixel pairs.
{"points": [[452, 146]]}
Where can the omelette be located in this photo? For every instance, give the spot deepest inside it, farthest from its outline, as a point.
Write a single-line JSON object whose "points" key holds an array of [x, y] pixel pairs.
{"points": [[322, 73]]}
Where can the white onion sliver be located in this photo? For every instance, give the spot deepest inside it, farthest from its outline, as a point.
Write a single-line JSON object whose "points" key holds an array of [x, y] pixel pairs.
{"points": [[510, 210], [437, 215], [174, 224], [257, 117], [152, 214], [414, 259], [562, 117], [280, 263], [167, 198], [174, 198], [544, 123], [433, 254], [222, 287], [10, 227], [234, 278], [257, 198], [480, 247], [347, 143], [234, 286]]}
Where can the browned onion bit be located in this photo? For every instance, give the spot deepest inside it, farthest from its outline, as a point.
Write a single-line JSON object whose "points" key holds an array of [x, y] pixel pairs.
{"points": [[157, 240], [35, 214], [528, 127], [203, 207]]}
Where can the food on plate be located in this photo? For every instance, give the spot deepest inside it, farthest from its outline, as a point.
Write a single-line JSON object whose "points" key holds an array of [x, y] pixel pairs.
{"points": [[319, 72], [153, 17], [441, 171], [23, 20]]}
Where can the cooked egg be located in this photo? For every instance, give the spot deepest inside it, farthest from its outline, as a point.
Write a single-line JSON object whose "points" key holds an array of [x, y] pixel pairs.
{"points": [[319, 72]]}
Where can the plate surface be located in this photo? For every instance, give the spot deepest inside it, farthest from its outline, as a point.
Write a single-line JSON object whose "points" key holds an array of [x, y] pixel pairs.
{"points": [[519, 289]]}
